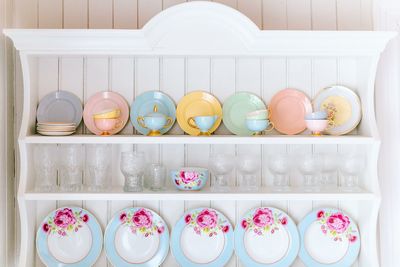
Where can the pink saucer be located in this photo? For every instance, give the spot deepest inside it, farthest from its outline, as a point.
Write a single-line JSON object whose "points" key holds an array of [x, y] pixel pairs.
{"points": [[105, 101], [288, 108]]}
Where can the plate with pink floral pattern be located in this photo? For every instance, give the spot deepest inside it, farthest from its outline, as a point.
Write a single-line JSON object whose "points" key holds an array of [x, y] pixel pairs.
{"points": [[69, 236], [136, 237], [202, 237], [329, 237], [266, 236]]}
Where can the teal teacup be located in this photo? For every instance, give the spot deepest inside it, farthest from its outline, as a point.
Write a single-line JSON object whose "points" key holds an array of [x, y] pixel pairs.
{"points": [[203, 123]]}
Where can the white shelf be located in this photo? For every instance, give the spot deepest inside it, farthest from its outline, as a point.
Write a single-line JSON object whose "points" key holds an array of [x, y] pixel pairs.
{"points": [[186, 139], [264, 194]]}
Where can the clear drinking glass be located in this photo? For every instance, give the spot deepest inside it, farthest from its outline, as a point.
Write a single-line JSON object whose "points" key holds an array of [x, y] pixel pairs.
{"points": [[133, 166], [98, 158], [280, 166], [351, 167], [156, 177], [221, 165], [248, 166], [45, 163], [70, 167], [310, 167], [329, 167]]}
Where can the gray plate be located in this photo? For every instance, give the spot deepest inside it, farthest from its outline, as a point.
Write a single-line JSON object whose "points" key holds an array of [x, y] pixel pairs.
{"points": [[60, 106]]}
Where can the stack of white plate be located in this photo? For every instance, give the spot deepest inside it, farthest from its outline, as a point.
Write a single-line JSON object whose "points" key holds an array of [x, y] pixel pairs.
{"points": [[55, 128]]}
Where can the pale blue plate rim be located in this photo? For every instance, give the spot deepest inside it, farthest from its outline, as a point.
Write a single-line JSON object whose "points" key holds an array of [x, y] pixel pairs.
{"points": [[352, 252], [151, 97], [183, 260], [112, 254], [89, 260], [291, 255]]}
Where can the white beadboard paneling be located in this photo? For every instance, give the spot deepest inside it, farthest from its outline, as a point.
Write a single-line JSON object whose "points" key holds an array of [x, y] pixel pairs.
{"points": [[122, 82], [101, 14], [71, 78], [125, 14], [275, 15], [198, 74], [75, 14], [50, 14], [173, 83]]}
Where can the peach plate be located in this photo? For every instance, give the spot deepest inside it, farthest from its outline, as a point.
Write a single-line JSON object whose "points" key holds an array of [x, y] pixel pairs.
{"points": [[288, 108], [105, 101]]}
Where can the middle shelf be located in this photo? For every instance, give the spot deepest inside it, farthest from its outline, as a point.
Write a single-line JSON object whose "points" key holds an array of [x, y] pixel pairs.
{"points": [[265, 193], [187, 139]]}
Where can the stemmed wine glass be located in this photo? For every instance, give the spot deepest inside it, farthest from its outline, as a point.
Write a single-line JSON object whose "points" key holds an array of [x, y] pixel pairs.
{"points": [[280, 166], [310, 167], [351, 167], [133, 166], [329, 165], [221, 165], [248, 166]]}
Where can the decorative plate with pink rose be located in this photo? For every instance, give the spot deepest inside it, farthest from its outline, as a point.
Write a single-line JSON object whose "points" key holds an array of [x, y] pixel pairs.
{"points": [[202, 237], [69, 236], [136, 237], [266, 236], [329, 237]]}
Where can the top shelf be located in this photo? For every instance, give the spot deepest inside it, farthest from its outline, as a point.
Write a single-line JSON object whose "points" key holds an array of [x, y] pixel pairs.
{"points": [[186, 139]]}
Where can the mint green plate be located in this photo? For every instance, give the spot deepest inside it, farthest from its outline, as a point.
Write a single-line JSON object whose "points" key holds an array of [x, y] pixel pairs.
{"points": [[235, 109]]}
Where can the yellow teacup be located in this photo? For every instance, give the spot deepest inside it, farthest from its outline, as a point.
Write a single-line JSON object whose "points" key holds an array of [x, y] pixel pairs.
{"points": [[108, 114]]}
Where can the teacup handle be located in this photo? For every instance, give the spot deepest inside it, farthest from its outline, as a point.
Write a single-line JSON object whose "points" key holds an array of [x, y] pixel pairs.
{"points": [[191, 123], [169, 122], [140, 120], [272, 127]]}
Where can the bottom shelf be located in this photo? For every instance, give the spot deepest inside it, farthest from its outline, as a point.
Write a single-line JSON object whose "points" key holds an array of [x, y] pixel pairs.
{"points": [[265, 193]]}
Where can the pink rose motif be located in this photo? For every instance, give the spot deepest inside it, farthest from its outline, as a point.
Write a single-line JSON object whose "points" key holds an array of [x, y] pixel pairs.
{"points": [[353, 239], [244, 224], [142, 218], [338, 222], [283, 221], [188, 218], [263, 217], [207, 218], [122, 217], [225, 228], [45, 227], [320, 214], [64, 218], [188, 177], [85, 218], [160, 229]]}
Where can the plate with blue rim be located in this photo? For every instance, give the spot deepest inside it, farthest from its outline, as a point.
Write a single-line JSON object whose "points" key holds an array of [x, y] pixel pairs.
{"points": [[202, 237], [329, 237], [69, 236], [144, 104], [136, 237], [266, 236]]}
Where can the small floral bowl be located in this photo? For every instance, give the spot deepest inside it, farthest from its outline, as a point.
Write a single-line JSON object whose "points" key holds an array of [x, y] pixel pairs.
{"points": [[190, 179]]}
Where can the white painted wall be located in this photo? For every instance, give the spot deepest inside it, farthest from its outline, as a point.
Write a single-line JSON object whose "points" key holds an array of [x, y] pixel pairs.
{"points": [[267, 14]]}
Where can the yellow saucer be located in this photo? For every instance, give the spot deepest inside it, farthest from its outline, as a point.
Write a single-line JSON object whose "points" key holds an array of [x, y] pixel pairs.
{"points": [[197, 104]]}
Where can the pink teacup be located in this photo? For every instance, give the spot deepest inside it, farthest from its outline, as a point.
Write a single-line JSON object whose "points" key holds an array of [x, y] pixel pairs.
{"points": [[317, 126], [107, 125]]}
